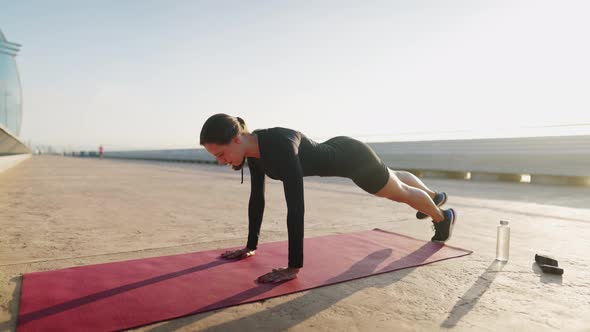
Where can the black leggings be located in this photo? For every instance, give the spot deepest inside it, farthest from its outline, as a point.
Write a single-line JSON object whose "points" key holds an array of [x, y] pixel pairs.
{"points": [[360, 163]]}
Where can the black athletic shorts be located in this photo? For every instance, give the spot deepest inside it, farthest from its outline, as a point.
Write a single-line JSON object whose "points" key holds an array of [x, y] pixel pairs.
{"points": [[360, 163]]}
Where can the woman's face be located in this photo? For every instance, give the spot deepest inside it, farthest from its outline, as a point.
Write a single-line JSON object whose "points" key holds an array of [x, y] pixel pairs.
{"points": [[231, 153]]}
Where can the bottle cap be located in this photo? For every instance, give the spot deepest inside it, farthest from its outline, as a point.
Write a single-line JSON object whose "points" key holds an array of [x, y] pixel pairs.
{"points": [[503, 222]]}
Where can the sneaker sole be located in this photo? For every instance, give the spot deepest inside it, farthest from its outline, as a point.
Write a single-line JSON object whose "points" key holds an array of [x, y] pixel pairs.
{"points": [[450, 228], [421, 215]]}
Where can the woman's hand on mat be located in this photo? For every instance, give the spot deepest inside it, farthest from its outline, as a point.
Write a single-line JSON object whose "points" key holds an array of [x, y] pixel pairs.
{"points": [[240, 253], [278, 275]]}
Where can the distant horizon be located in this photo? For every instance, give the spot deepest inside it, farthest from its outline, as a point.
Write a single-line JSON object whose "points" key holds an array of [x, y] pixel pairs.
{"points": [[584, 130]]}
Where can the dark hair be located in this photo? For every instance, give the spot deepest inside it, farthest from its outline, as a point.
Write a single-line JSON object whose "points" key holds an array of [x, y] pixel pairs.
{"points": [[221, 128]]}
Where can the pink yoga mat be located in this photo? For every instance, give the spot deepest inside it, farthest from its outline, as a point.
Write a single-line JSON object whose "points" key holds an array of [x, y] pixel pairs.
{"points": [[121, 295]]}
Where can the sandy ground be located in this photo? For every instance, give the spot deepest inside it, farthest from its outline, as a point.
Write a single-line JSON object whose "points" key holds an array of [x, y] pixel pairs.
{"points": [[57, 212]]}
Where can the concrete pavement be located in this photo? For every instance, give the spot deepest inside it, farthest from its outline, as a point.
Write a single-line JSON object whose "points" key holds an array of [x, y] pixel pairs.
{"points": [[57, 212]]}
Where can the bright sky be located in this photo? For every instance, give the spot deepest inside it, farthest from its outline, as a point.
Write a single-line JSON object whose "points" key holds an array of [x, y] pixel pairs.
{"points": [[147, 74]]}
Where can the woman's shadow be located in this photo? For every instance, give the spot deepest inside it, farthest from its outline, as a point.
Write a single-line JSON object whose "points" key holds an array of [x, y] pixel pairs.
{"points": [[10, 325], [318, 300]]}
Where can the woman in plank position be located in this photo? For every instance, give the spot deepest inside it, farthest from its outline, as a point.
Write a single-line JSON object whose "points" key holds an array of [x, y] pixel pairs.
{"points": [[288, 155]]}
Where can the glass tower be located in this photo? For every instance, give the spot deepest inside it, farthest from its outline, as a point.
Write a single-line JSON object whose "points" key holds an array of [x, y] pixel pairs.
{"points": [[10, 88]]}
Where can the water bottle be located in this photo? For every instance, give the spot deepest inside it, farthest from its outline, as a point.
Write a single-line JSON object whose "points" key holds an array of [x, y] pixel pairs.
{"points": [[503, 241]]}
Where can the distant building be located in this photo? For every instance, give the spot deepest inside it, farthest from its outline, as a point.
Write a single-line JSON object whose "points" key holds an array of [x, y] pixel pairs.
{"points": [[10, 89], [12, 149]]}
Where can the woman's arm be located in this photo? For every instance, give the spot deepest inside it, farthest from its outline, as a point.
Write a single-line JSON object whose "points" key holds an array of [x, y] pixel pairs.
{"points": [[293, 186], [256, 204], [286, 160]]}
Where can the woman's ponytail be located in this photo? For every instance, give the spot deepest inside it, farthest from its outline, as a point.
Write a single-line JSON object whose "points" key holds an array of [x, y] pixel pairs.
{"points": [[242, 123]]}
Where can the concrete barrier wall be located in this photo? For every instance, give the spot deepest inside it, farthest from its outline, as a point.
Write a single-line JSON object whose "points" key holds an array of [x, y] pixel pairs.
{"points": [[7, 162], [10, 144], [550, 160], [12, 150], [566, 164], [181, 155]]}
